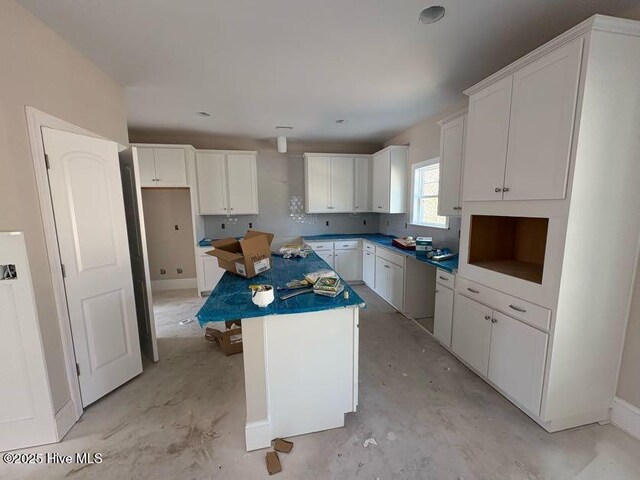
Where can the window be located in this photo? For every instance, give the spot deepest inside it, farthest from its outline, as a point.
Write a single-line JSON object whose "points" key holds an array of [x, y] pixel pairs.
{"points": [[426, 183]]}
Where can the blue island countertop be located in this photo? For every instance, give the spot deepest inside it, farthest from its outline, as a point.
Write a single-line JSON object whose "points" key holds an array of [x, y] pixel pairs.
{"points": [[450, 265], [231, 299]]}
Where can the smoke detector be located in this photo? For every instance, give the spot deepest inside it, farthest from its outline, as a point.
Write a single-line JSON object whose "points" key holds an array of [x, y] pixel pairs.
{"points": [[432, 14]]}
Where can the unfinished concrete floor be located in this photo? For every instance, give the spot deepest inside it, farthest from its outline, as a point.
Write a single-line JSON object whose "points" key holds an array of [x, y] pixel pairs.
{"points": [[183, 418]]}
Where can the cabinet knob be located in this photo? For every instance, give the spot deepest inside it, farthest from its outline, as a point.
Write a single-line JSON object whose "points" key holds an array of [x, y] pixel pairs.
{"points": [[498, 189], [231, 209], [493, 320], [505, 189], [487, 317]]}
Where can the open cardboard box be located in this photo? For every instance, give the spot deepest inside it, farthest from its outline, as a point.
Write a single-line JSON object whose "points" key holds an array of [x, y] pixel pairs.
{"points": [[247, 257]]}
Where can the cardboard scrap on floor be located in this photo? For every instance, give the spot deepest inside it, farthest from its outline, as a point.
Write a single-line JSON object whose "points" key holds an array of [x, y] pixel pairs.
{"points": [[273, 463], [229, 341], [282, 445]]}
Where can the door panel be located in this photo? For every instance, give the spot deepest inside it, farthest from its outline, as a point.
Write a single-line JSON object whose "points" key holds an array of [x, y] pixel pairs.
{"points": [[443, 315], [486, 141], [342, 184], [451, 159], [517, 360], [396, 286], [327, 256], [381, 182], [212, 272], [363, 184], [243, 197], [346, 264], [138, 250], [171, 167], [212, 183], [86, 194], [471, 333], [26, 413], [368, 269], [541, 127], [318, 177], [382, 278], [147, 167]]}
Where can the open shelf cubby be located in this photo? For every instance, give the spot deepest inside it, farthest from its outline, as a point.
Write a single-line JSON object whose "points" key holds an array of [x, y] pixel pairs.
{"points": [[512, 246]]}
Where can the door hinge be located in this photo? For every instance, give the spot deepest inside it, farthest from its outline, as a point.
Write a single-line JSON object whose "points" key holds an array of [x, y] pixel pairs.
{"points": [[78, 369], [64, 270], [46, 161]]}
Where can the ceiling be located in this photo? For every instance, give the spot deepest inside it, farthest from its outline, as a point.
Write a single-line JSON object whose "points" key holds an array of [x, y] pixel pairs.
{"points": [[303, 63]]}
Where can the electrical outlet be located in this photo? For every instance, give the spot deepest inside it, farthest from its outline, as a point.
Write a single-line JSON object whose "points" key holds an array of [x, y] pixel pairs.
{"points": [[364, 222], [176, 227], [327, 223], [250, 224], [179, 271], [223, 226], [405, 225], [387, 223], [163, 271]]}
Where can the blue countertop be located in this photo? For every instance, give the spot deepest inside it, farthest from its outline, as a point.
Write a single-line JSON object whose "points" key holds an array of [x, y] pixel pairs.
{"points": [[231, 299], [450, 265]]}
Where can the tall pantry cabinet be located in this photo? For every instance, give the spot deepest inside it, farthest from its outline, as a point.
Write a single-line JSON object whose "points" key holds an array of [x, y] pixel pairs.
{"points": [[550, 177]]}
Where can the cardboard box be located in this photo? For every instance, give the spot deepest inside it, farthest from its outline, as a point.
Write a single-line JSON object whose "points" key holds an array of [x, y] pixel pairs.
{"points": [[424, 246], [229, 341], [247, 257]]}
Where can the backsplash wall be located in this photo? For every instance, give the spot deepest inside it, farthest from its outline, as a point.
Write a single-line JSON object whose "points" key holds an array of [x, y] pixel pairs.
{"points": [[394, 224]]}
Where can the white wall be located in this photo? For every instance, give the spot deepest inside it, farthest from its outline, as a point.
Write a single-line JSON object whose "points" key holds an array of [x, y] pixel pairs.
{"points": [[40, 70]]}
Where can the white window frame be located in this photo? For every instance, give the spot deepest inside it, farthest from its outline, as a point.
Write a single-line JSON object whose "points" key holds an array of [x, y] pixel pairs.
{"points": [[415, 197]]}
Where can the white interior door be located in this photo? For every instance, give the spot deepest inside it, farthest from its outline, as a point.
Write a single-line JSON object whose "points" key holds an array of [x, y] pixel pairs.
{"points": [[86, 193], [26, 411], [243, 194], [129, 170]]}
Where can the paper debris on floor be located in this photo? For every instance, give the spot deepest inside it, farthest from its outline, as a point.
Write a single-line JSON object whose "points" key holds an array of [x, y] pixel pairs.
{"points": [[282, 445], [273, 463], [369, 441], [186, 321]]}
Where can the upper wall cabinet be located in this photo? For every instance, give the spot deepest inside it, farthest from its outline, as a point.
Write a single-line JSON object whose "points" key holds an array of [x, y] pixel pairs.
{"points": [[227, 182], [520, 130], [452, 133], [363, 184], [162, 167], [329, 183], [389, 183]]}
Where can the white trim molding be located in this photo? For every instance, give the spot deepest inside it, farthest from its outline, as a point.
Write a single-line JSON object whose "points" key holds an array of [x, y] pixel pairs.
{"points": [[173, 284], [626, 417], [258, 434]]}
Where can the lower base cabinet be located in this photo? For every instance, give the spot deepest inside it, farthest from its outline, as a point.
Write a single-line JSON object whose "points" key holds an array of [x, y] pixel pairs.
{"points": [[327, 257], [443, 315], [347, 264], [369, 269], [508, 352], [209, 273], [389, 282]]}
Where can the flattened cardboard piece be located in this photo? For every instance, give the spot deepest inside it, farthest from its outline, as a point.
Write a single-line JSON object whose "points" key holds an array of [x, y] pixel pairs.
{"points": [[273, 463], [247, 257], [229, 341], [282, 445]]}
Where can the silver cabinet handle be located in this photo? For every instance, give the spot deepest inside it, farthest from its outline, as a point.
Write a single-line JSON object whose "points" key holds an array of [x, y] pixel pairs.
{"points": [[505, 189], [379, 206], [472, 290], [487, 317], [498, 189], [386, 266], [493, 320], [518, 309], [443, 278]]}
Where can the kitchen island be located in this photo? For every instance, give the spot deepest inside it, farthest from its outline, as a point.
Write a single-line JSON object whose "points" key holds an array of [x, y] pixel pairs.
{"points": [[300, 354]]}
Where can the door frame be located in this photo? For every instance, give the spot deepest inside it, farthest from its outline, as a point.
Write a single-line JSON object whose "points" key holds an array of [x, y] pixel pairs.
{"points": [[69, 414]]}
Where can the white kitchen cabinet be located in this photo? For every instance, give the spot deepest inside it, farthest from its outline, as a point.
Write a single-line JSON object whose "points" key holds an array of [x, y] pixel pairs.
{"points": [[517, 360], [227, 182], [471, 333], [363, 179], [452, 135], [382, 278], [327, 256], [369, 268], [443, 315], [541, 125], [162, 167], [347, 264], [389, 182], [329, 183], [389, 282], [208, 271], [486, 141]]}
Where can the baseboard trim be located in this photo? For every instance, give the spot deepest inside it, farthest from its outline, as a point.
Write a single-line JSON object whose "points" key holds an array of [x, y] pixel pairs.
{"points": [[626, 417], [258, 435], [173, 284], [65, 419]]}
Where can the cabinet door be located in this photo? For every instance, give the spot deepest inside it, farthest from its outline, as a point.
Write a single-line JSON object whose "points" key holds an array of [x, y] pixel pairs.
{"points": [[543, 109], [171, 167], [342, 184], [346, 264], [517, 360], [327, 256], [451, 162], [443, 315], [486, 141], [212, 272], [147, 166], [381, 181], [381, 283], [396, 286], [363, 184], [368, 269], [243, 183], [471, 333], [212, 183], [318, 183]]}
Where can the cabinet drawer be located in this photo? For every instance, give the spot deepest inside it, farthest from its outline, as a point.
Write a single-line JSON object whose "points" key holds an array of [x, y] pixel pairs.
{"points": [[535, 315], [445, 278], [317, 246], [369, 247], [346, 245], [390, 256]]}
